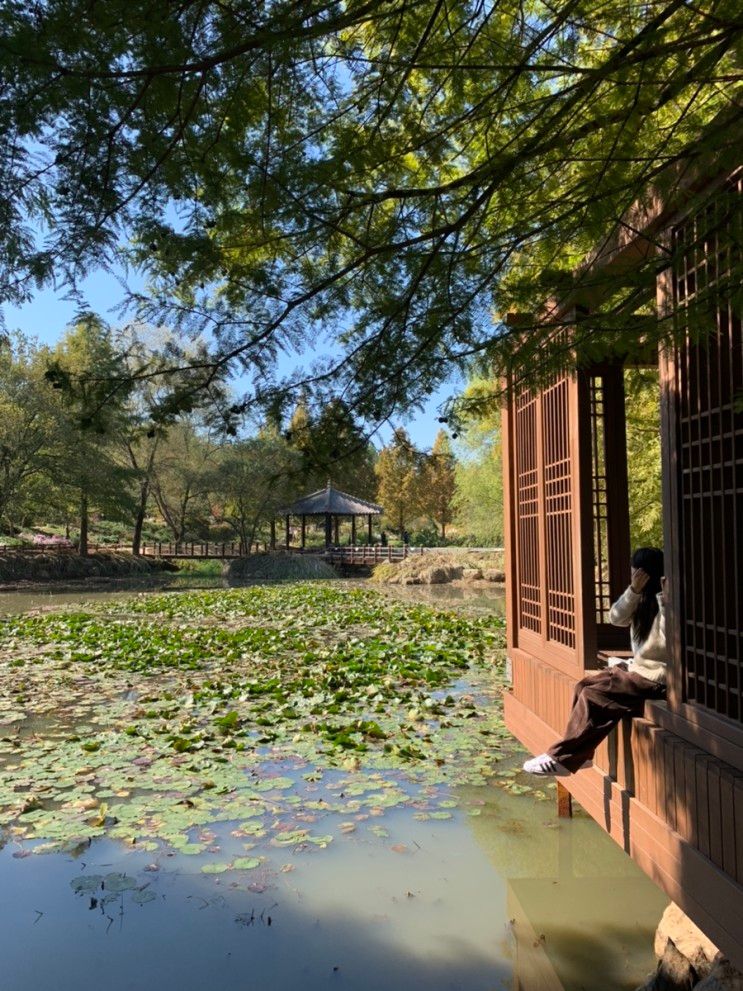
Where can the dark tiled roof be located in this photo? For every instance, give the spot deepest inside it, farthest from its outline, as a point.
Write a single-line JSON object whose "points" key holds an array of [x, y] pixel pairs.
{"points": [[330, 500]]}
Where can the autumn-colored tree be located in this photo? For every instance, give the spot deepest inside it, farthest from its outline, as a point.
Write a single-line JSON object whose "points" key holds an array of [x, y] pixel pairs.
{"points": [[399, 480], [439, 488]]}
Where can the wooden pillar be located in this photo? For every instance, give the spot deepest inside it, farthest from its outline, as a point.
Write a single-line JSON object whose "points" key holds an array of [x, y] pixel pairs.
{"points": [[617, 485], [369, 520], [304, 520], [353, 531], [336, 522], [328, 530], [287, 531], [564, 802]]}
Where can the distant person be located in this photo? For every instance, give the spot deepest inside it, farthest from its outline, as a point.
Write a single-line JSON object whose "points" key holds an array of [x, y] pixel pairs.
{"points": [[405, 537], [383, 538], [604, 697]]}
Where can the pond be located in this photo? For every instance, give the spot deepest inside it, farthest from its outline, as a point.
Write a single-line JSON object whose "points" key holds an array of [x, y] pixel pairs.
{"points": [[311, 859]]}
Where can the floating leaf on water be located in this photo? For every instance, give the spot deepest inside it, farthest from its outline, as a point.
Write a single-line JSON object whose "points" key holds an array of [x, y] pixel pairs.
{"points": [[86, 883], [115, 883], [143, 896], [214, 868], [246, 863], [321, 841]]}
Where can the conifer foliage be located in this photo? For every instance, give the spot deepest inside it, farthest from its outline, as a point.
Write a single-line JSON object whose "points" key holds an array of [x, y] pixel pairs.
{"points": [[390, 174]]}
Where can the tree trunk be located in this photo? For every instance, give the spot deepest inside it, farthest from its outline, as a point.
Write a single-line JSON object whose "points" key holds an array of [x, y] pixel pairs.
{"points": [[83, 545], [273, 535], [144, 493]]}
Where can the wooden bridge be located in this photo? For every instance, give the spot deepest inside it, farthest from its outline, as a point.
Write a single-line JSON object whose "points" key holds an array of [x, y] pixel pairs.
{"points": [[353, 555], [361, 555]]}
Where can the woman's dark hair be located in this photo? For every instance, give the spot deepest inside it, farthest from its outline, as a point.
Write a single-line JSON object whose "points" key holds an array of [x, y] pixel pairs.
{"points": [[650, 559]]}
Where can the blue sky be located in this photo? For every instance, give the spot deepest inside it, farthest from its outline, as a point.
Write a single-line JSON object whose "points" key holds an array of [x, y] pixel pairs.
{"points": [[48, 313]]}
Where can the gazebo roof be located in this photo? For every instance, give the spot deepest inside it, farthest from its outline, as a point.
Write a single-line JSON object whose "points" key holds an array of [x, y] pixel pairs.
{"points": [[333, 501]]}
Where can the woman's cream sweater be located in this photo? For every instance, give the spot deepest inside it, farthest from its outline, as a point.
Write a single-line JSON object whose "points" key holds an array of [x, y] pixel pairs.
{"points": [[650, 655]]}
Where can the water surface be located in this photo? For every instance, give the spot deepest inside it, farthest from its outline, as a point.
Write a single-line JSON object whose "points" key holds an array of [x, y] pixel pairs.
{"points": [[502, 895]]}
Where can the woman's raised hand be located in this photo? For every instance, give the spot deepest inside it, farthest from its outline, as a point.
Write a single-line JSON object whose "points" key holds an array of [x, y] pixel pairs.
{"points": [[639, 580]]}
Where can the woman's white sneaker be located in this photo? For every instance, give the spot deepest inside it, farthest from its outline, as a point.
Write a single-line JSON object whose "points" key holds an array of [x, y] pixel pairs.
{"points": [[545, 766]]}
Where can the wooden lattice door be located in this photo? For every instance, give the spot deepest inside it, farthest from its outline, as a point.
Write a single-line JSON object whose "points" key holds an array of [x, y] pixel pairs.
{"points": [[703, 420], [546, 529]]}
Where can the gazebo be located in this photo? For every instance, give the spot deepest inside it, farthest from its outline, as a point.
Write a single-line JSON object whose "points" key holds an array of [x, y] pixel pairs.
{"points": [[332, 504]]}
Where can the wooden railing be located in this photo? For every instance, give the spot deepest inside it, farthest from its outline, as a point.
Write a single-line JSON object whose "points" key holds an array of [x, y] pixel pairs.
{"points": [[361, 554], [366, 554], [190, 549]]}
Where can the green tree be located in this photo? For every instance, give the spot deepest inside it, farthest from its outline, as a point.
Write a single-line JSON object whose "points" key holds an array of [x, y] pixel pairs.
{"points": [[388, 173], [479, 471], [184, 477], [94, 386], [332, 446], [644, 457], [399, 481], [29, 425], [255, 477], [438, 488]]}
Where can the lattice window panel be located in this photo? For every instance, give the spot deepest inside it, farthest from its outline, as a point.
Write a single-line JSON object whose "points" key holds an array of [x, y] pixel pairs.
{"points": [[558, 510], [527, 509], [599, 500], [709, 383]]}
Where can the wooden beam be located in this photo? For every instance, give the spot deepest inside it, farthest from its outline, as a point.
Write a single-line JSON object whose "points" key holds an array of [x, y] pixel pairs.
{"points": [[564, 802]]}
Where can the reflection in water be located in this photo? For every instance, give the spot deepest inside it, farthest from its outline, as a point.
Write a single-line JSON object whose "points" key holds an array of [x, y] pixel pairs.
{"points": [[503, 899], [89, 592], [476, 598], [463, 598]]}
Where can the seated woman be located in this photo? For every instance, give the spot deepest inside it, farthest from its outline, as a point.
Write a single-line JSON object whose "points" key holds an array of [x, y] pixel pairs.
{"points": [[604, 697]]}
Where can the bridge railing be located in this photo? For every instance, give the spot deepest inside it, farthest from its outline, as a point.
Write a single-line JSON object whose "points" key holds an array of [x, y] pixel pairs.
{"points": [[365, 554]]}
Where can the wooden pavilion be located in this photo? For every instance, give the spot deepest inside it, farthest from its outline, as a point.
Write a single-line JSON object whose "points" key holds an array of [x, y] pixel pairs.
{"points": [[667, 787], [332, 505]]}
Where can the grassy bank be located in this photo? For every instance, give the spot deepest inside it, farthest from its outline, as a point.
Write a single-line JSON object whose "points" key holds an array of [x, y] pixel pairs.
{"points": [[279, 567], [438, 568], [16, 566]]}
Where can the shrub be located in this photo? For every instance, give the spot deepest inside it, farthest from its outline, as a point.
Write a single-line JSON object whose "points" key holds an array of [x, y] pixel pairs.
{"points": [[279, 567]]}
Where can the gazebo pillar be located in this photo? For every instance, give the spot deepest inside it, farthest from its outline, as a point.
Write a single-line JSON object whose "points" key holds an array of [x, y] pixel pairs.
{"points": [[336, 522], [353, 531], [273, 534], [328, 530], [287, 531], [369, 519], [304, 519]]}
